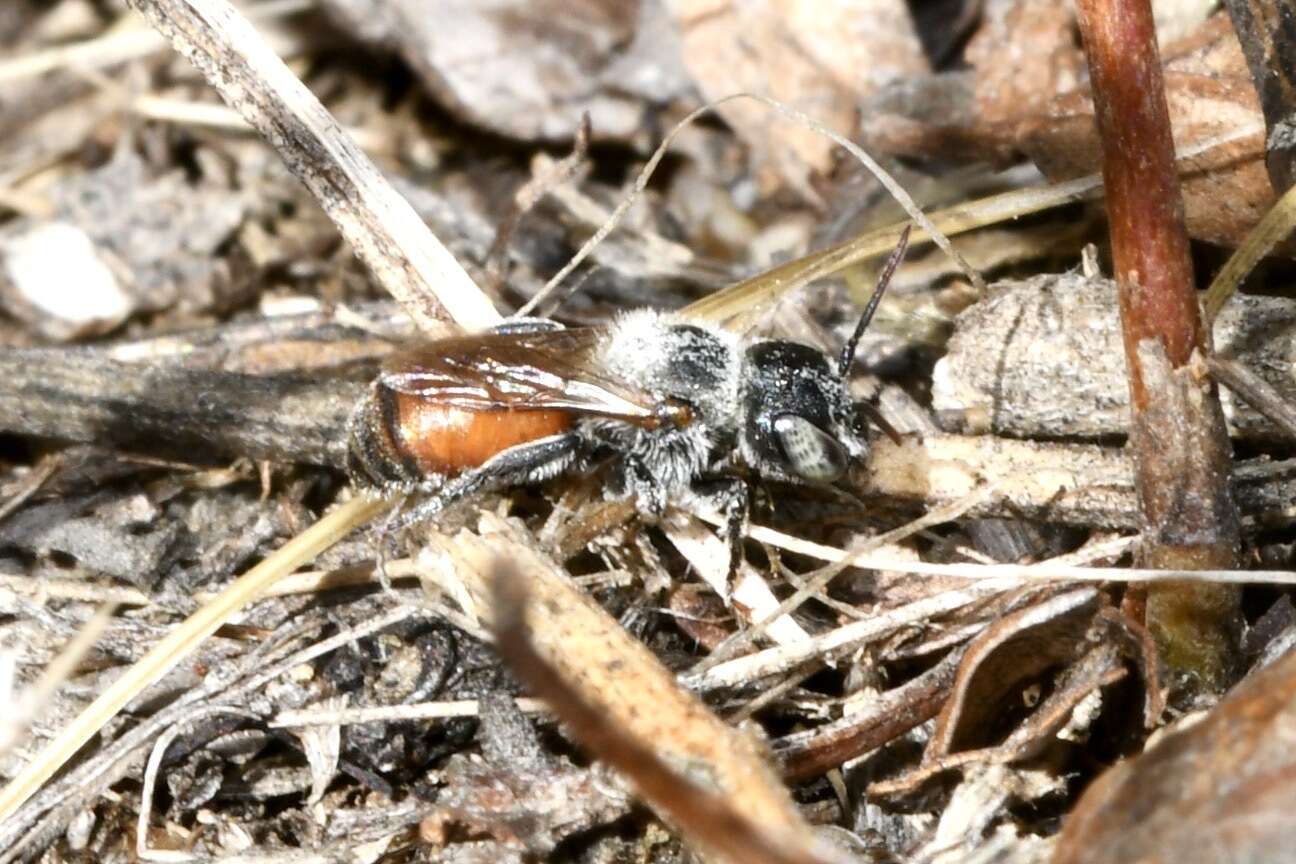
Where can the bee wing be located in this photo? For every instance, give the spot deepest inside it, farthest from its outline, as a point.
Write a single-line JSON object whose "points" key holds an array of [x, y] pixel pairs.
{"points": [[545, 370], [741, 304]]}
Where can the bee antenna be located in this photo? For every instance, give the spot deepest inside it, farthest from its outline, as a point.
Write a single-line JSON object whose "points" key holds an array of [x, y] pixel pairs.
{"points": [[884, 279]]}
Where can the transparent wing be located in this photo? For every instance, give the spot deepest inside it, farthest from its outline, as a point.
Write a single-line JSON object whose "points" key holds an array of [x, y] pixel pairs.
{"points": [[550, 369]]}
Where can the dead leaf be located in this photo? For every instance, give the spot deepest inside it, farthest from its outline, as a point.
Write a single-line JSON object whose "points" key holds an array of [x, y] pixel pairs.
{"points": [[621, 677], [1219, 790], [1075, 629], [712, 821], [1003, 659], [821, 58], [1209, 93], [529, 69], [1025, 53]]}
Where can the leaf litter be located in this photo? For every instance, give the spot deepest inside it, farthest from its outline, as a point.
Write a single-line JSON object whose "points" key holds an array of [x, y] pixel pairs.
{"points": [[912, 717]]}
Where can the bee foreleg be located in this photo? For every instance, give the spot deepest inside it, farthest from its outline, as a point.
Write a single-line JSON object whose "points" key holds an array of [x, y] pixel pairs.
{"points": [[732, 497]]}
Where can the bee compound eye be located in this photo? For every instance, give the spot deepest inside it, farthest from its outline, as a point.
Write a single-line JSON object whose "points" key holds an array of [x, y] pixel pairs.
{"points": [[811, 453]]}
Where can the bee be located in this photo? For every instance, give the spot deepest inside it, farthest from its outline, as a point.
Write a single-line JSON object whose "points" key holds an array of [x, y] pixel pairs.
{"points": [[677, 411]]}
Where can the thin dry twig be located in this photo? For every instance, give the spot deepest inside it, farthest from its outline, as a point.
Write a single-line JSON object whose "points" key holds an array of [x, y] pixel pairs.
{"points": [[41, 587], [883, 718], [1076, 484], [843, 640], [819, 581], [1254, 390], [1064, 568], [394, 713], [404, 257], [930, 230]]}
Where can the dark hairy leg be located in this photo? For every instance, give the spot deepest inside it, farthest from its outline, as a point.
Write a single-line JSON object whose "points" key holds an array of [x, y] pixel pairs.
{"points": [[731, 495], [525, 463]]}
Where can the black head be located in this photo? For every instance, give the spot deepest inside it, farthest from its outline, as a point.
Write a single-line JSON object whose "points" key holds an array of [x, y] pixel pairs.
{"points": [[798, 421]]}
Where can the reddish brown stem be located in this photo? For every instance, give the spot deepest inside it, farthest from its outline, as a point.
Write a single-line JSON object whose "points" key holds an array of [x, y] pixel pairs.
{"points": [[1177, 433], [1144, 204]]}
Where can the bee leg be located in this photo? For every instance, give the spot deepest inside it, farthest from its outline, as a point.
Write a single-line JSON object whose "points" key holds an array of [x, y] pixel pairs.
{"points": [[639, 484], [383, 537], [735, 511], [526, 463], [732, 497]]}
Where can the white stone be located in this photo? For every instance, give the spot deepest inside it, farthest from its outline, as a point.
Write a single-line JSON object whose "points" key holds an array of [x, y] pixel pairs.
{"points": [[57, 274]]}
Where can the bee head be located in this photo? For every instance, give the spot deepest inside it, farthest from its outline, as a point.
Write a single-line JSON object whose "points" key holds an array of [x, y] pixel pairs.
{"points": [[799, 422]]}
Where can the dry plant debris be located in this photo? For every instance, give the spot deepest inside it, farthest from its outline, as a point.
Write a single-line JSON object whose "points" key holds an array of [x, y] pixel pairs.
{"points": [[946, 658], [1222, 782], [1057, 369]]}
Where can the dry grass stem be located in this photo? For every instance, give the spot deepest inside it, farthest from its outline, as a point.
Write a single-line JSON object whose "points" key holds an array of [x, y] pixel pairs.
{"points": [[389, 713], [31, 700], [746, 299], [124, 42], [931, 231], [843, 640], [1064, 568], [44, 587], [819, 581], [1273, 228]]}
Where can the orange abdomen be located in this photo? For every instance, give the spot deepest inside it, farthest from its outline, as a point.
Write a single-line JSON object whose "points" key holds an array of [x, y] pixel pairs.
{"points": [[445, 440]]}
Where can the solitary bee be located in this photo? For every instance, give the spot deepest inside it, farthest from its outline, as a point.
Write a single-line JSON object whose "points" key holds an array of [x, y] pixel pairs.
{"points": [[677, 411]]}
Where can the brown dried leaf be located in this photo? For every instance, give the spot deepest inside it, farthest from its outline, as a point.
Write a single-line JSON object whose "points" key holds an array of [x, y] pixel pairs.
{"points": [[818, 57], [1025, 54], [529, 69], [1003, 659], [700, 614], [714, 822], [1219, 790], [1075, 628], [622, 679], [1098, 668], [1210, 95]]}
